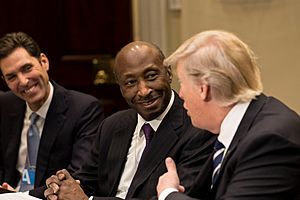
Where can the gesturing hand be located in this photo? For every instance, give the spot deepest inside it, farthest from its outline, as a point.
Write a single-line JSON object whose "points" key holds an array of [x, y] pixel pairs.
{"points": [[169, 179]]}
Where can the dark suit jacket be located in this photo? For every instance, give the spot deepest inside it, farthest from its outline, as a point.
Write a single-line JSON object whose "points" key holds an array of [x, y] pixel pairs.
{"points": [[175, 137], [70, 127], [263, 160]]}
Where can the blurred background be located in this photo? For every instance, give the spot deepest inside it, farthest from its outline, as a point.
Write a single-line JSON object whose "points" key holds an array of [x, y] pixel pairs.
{"points": [[82, 37]]}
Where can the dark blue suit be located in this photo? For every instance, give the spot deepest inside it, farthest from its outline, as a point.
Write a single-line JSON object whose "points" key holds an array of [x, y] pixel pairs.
{"points": [[70, 127], [175, 137], [263, 160]]}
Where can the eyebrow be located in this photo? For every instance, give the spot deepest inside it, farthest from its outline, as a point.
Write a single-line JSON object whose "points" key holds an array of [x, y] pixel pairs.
{"points": [[21, 69]]}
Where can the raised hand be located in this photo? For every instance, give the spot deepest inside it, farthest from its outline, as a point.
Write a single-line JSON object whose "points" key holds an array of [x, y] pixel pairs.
{"points": [[170, 178]]}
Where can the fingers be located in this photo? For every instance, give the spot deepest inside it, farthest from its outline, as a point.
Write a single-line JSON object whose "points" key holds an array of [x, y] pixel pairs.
{"points": [[8, 187], [181, 188], [171, 166], [63, 174], [54, 182], [60, 176], [52, 179], [50, 195], [54, 187]]}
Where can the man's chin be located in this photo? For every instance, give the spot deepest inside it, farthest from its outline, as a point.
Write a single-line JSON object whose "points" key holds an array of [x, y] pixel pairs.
{"points": [[150, 115]]}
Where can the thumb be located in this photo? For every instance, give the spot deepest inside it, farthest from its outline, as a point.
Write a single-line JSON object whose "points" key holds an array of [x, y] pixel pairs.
{"points": [[171, 166]]}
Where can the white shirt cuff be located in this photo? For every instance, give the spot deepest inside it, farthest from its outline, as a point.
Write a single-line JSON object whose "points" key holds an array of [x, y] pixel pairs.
{"points": [[163, 195], [91, 198]]}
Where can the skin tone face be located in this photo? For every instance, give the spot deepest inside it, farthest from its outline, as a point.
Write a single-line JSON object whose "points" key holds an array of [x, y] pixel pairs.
{"points": [[144, 80], [27, 76], [188, 92], [198, 102]]}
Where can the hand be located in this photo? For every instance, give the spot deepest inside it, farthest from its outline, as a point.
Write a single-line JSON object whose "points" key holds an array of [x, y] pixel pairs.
{"points": [[7, 187], [53, 183], [63, 186], [169, 179]]}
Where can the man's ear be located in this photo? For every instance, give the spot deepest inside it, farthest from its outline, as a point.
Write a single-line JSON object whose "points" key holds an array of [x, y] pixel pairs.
{"points": [[170, 73], [44, 61], [204, 90]]}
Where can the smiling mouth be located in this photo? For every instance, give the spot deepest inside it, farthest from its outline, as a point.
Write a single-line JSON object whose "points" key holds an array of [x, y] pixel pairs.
{"points": [[148, 103], [29, 90]]}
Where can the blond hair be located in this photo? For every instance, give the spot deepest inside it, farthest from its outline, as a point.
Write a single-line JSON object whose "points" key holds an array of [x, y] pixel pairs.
{"points": [[224, 62]]}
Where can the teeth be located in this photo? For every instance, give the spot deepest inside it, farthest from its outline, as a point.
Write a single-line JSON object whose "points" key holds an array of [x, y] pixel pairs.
{"points": [[29, 90]]}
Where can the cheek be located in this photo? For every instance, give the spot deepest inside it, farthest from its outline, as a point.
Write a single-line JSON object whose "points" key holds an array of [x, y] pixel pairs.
{"points": [[12, 86], [192, 105], [128, 94]]}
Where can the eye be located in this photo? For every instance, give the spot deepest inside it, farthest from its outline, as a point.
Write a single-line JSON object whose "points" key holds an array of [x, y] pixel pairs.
{"points": [[27, 68], [151, 76], [130, 82], [10, 77]]}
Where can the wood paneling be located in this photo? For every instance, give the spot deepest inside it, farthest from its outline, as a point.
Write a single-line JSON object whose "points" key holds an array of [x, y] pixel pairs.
{"points": [[77, 28]]}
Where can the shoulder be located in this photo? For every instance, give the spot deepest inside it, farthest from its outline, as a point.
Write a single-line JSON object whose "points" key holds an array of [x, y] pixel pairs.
{"points": [[9, 98], [274, 117], [76, 95], [120, 120], [72, 97], [123, 116]]}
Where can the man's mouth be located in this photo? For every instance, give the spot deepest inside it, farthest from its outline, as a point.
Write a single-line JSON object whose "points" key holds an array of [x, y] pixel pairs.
{"points": [[29, 90], [149, 102]]}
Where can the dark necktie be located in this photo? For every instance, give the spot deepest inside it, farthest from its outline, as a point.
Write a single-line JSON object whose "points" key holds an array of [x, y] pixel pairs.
{"points": [[33, 140], [148, 132], [217, 160]]}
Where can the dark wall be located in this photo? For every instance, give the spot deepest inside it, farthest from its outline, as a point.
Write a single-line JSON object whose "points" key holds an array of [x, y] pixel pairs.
{"points": [[71, 27]]}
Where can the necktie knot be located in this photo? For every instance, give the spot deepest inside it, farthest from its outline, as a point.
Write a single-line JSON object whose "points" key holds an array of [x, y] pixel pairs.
{"points": [[33, 129], [148, 132], [218, 145], [33, 118]]}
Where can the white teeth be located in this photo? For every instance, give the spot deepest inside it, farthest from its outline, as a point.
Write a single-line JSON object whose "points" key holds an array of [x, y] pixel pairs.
{"points": [[29, 90]]}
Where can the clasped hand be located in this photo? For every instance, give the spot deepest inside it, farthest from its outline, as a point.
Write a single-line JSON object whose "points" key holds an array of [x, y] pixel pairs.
{"points": [[62, 186]]}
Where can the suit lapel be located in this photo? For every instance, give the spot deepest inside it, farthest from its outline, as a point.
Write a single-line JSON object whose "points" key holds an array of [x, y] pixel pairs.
{"points": [[203, 180], [119, 149], [164, 139], [246, 123], [54, 120]]}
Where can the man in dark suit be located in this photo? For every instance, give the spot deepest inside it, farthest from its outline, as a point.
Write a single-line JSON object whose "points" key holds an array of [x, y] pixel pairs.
{"points": [[258, 136], [118, 167], [67, 124]]}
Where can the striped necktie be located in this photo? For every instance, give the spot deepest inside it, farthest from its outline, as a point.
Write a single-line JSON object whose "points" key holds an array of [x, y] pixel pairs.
{"points": [[217, 160]]}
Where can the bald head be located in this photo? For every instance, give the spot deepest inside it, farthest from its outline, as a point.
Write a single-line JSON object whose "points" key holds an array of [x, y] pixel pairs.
{"points": [[136, 52]]}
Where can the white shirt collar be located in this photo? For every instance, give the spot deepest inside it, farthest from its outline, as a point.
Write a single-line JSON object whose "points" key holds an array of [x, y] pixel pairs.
{"points": [[231, 123], [155, 122]]}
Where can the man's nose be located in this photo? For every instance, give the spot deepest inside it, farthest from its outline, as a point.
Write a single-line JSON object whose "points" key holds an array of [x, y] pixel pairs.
{"points": [[23, 80], [143, 88]]}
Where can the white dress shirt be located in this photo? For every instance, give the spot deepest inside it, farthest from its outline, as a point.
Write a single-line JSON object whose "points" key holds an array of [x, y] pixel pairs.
{"points": [[137, 146], [42, 112]]}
